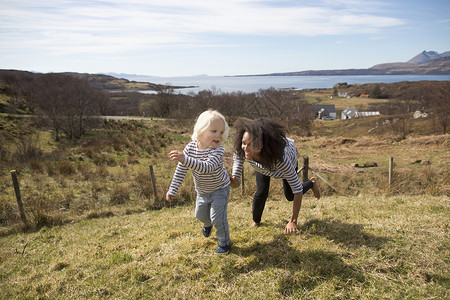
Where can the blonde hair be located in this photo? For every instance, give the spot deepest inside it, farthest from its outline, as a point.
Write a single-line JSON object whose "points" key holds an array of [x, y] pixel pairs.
{"points": [[204, 120]]}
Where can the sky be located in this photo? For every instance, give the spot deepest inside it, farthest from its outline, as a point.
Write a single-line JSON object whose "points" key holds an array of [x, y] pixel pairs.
{"points": [[171, 38]]}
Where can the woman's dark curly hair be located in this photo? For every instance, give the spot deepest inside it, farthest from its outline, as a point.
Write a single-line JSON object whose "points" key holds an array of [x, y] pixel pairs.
{"points": [[267, 136]]}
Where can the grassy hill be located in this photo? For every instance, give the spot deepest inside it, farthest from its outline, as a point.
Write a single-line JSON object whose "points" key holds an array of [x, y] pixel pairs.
{"points": [[96, 230], [349, 247]]}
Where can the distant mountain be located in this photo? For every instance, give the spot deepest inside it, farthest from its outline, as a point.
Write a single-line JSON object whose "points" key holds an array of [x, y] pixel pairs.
{"points": [[427, 56], [425, 63]]}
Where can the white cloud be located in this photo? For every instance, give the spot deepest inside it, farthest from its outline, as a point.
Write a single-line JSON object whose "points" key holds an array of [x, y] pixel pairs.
{"points": [[174, 18], [103, 32]]}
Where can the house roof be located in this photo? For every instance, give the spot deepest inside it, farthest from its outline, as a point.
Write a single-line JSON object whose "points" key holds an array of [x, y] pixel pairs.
{"points": [[367, 113], [329, 108], [349, 110]]}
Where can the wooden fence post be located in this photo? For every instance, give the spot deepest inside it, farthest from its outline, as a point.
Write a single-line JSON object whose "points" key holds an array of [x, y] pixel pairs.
{"points": [[152, 177], [18, 197], [391, 168], [305, 168]]}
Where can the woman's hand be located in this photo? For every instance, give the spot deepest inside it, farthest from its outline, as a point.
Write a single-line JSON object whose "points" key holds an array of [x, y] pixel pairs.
{"points": [[234, 182], [291, 227], [176, 155]]}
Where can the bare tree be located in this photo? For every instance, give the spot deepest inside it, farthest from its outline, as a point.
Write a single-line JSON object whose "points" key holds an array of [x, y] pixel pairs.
{"points": [[48, 94], [16, 85], [66, 102], [162, 102], [401, 126], [442, 108]]}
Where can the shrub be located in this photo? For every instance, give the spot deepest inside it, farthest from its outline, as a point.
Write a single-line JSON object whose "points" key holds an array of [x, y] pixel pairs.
{"points": [[8, 212], [95, 189], [143, 183], [67, 200], [102, 171], [66, 168], [27, 149], [85, 170], [120, 194], [51, 169], [42, 211], [37, 166], [102, 159]]}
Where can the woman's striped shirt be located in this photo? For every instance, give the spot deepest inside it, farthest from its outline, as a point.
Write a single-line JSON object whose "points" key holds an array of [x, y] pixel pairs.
{"points": [[207, 169], [284, 169]]}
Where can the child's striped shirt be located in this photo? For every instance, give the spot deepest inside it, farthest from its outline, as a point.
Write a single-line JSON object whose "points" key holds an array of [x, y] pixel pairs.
{"points": [[207, 169]]}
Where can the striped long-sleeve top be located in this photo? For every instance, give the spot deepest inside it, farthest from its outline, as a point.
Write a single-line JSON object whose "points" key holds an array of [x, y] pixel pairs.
{"points": [[284, 169], [207, 169]]}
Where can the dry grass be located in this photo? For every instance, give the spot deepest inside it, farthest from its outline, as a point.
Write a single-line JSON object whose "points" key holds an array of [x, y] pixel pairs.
{"points": [[420, 164], [373, 247], [79, 181], [96, 230]]}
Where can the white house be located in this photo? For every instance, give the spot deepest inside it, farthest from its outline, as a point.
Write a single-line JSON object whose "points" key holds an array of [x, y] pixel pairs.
{"points": [[343, 95]]}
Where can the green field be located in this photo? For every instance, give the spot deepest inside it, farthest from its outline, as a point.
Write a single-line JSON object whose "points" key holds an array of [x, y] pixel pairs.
{"points": [[95, 229], [357, 247], [324, 97]]}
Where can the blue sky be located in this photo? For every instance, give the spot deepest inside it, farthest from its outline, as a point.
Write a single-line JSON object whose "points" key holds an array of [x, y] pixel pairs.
{"points": [[226, 37]]}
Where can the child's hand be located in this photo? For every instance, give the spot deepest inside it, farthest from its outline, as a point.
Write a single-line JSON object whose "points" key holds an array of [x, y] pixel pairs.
{"points": [[169, 198], [176, 156]]}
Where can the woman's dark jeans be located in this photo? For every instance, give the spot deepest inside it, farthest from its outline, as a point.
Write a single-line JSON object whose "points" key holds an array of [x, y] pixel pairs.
{"points": [[262, 192]]}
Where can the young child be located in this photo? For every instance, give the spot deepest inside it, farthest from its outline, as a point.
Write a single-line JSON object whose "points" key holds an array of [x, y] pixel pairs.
{"points": [[204, 156]]}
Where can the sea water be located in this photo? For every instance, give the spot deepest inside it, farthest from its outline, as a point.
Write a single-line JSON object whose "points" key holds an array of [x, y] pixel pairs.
{"points": [[249, 84]]}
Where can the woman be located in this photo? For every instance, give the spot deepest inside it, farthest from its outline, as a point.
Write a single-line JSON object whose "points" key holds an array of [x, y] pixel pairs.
{"points": [[264, 145]]}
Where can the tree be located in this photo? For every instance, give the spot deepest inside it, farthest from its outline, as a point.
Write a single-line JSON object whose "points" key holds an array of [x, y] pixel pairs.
{"points": [[442, 108], [66, 102], [16, 85], [376, 92], [162, 103], [335, 92]]}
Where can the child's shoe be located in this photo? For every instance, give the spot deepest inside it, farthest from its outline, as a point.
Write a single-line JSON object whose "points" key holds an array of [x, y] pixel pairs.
{"points": [[223, 250], [206, 231]]}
